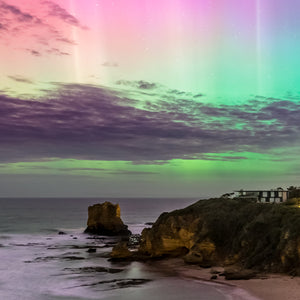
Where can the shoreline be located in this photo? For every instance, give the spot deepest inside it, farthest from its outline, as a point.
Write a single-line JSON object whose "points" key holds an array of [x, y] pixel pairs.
{"points": [[268, 287]]}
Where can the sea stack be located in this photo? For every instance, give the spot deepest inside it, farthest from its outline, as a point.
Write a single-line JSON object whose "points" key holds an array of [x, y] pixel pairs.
{"points": [[105, 219]]}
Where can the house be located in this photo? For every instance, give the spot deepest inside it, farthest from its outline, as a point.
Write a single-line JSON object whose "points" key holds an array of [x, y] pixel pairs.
{"points": [[263, 196]]}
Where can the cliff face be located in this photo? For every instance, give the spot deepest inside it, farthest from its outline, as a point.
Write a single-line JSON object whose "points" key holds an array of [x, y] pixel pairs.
{"points": [[218, 231], [105, 219]]}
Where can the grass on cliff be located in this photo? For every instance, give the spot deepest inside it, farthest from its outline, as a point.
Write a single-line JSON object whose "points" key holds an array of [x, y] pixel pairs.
{"points": [[261, 234]]}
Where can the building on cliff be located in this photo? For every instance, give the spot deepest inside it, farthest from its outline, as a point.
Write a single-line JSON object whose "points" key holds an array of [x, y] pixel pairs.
{"points": [[263, 196]]}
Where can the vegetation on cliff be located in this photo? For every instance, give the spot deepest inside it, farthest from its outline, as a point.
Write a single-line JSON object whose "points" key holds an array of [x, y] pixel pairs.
{"points": [[229, 232]]}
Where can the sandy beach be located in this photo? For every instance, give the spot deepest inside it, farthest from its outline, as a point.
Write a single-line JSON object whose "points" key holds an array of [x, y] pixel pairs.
{"points": [[266, 287]]}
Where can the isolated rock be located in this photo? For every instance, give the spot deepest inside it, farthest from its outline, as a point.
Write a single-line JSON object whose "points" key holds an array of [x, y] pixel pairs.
{"points": [[104, 219]]}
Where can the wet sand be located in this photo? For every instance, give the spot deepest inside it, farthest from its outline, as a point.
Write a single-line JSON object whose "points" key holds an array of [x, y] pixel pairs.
{"points": [[267, 287]]}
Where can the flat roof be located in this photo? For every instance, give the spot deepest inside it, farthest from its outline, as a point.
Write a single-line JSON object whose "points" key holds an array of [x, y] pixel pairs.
{"points": [[261, 191]]}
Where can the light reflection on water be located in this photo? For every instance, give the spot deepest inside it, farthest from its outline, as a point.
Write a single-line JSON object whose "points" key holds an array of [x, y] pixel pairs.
{"points": [[34, 264]]}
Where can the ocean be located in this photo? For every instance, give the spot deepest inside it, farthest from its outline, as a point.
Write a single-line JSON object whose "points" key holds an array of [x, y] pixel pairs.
{"points": [[38, 263]]}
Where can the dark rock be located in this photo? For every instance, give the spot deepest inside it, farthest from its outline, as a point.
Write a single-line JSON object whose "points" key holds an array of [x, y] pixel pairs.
{"points": [[217, 270], [119, 283], [72, 257], [239, 274], [120, 251], [104, 219], [61, 233], [94, 270], [134, 240], [213, 277], [265, 238], [91, 250], [131, 282], [74, 238]]}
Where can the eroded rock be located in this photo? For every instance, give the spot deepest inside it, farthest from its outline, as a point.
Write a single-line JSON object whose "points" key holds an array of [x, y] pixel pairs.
{"points": [[105, 219], [120, 251], [225, 232]]}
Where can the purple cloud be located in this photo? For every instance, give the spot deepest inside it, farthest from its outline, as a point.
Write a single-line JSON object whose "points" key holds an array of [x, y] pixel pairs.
{"points": [[41, 34], [21, 16], [20, 79], [57, 11], [91, 122]]}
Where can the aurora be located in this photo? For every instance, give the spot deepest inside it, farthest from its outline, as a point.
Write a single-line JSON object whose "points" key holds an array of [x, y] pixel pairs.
{"points": [[142, 98]]}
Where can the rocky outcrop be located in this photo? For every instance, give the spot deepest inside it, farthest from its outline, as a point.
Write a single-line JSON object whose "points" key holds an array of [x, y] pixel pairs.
{"points": [[105, 219], [228, 232], [120, 251]]}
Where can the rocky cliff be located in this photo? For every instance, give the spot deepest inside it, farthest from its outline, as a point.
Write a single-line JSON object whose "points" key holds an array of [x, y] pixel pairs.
{"points": [[105, 219], [229, 232]]}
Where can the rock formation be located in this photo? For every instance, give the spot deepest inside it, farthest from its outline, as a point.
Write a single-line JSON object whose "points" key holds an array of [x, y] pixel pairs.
{"points": [[105, 219], [229, 233], [120, 251]]}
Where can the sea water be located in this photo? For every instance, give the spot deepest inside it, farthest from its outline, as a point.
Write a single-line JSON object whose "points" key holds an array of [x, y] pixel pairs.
{"points": [[37, 263]]}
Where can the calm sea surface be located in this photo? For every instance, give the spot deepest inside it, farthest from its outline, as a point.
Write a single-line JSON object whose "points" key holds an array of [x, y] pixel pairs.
{"points": [[36, 263]]}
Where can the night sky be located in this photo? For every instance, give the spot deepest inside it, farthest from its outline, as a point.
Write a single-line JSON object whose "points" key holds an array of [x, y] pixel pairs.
{"points": [[160, 98]]}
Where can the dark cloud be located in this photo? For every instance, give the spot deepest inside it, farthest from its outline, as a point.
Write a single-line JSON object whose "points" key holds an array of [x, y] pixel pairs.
{"points": [[15, 21], [150, 162], [91, 122], [146, 85], [128, 172], [141, 84], [80, 169], [198, 95], [21, 16], [66, 41], [57, 11], [21, 79], [219, 157], [57, 52], [34, 52]]}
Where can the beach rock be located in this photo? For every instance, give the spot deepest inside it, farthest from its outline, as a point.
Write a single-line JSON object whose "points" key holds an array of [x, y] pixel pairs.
{"points": [[61, 233], [169, 236], [91, 250], [120, 251], [217, 270], [94, 270], [134, 240], [120, 283], [238, 274], [202, 253], [105, 219]]}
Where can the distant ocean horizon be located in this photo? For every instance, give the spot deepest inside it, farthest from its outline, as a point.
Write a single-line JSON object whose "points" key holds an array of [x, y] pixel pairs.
{"points": [[37, 263]]}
